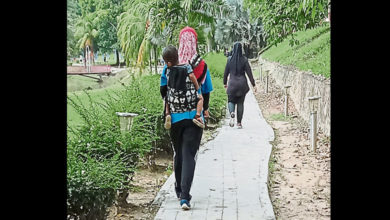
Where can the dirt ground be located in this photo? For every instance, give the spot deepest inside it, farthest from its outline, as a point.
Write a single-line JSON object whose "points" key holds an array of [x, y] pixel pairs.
{"points": [[146, 183], [299, 179]]}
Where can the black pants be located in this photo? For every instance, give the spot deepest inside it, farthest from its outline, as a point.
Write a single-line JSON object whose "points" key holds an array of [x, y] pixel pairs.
{"points": [[206, 100], [185, 136], [240, 107]]}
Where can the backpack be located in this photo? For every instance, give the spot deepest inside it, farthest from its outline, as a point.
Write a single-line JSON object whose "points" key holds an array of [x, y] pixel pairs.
{"points": [[181, 93]]}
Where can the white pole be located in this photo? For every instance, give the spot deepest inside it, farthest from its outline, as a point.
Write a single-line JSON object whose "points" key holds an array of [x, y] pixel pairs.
{"points": [[286, 104], [286, 100], [313, 131], [266, 81]]}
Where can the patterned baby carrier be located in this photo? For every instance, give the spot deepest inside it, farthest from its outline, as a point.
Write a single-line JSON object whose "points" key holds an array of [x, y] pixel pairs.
{"points": [[181, 94]]}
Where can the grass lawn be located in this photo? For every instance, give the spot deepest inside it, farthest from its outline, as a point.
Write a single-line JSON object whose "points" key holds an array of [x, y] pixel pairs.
{"points": [[78, 83], [311, 54], [98, 91], [216, 63], [73, 118]]}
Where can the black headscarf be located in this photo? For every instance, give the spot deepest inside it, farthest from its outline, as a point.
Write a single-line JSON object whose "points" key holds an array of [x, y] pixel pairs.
{"points": [[237, 59]]}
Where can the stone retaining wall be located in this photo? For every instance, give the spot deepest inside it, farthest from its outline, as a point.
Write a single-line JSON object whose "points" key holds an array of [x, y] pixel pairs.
{"points": [[303, 85]]}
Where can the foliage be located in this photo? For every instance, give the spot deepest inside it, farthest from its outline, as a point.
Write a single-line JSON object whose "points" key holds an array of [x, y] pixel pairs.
{"points": [[91, 183], [151, 25], [142, 28], [86, 31], [108, 10], [73, 13], [100, 158], [236, 26], [95, 26], [282, 18], [131, 29], [311, 54]]}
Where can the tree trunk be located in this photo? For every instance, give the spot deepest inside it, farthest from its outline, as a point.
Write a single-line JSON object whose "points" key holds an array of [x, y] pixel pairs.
{"points": [[246, 50], [117, 57], [266, 48], [155, 58], [209, 45]]}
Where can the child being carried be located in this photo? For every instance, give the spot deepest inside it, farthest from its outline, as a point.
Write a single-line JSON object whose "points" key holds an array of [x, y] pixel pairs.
{"points": [[184, 98]]}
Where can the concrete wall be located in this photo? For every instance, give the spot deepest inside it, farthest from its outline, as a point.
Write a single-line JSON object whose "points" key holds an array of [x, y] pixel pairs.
{"points": [[303, 85]]}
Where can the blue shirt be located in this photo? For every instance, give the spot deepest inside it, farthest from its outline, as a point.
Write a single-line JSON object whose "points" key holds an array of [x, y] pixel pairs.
{"points": [[176, 117], [207, 86]]}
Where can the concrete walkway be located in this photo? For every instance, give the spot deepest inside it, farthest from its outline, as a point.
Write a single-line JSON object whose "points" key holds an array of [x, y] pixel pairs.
{"points": [[231, 172]]}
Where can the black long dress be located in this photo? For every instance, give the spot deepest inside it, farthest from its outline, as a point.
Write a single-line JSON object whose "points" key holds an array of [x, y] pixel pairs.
{"points": [[236, 66]]}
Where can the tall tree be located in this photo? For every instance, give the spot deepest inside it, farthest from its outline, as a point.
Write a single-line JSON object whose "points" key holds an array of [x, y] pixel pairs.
{"points": [[86, 32], [236, 26], [73, 13], [150, 25], [131, 28], [107, 11]]}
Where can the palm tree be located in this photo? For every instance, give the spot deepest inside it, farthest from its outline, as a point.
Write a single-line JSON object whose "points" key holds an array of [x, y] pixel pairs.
{"points": [[86, 32], [147, 26]]}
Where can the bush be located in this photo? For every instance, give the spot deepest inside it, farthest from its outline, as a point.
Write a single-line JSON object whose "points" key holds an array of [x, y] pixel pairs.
{"points": [[92, 184], [100, 158]]}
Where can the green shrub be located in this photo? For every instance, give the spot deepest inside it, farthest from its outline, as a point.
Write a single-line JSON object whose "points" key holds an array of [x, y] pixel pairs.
{"points": [[92, 183], [100, 158]]}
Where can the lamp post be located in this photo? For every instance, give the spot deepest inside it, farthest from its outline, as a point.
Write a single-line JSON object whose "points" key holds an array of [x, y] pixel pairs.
{"points": [[266, 81], [286, 100], [313, 104], [125, 121]]}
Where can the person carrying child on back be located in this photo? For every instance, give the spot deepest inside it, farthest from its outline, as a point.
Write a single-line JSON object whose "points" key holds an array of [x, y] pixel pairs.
{"points": [[183, 99], [188, 53]]}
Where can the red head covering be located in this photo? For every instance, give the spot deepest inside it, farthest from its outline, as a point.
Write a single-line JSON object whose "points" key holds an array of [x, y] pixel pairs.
{"points": [[188, 39]]}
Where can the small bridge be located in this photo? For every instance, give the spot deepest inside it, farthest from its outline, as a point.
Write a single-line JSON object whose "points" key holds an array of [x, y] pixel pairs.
{"points": [[88, 68], [99, 70]]}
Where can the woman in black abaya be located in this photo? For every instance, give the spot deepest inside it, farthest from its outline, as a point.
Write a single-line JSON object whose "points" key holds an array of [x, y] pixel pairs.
{"points": [[237, 86]]}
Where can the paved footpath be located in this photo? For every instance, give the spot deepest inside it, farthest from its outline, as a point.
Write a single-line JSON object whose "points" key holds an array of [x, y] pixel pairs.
{"points": [[230, 180]]}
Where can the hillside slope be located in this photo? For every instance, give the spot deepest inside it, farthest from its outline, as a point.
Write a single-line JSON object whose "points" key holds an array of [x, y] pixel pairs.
{"points": [[311, 54]]}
